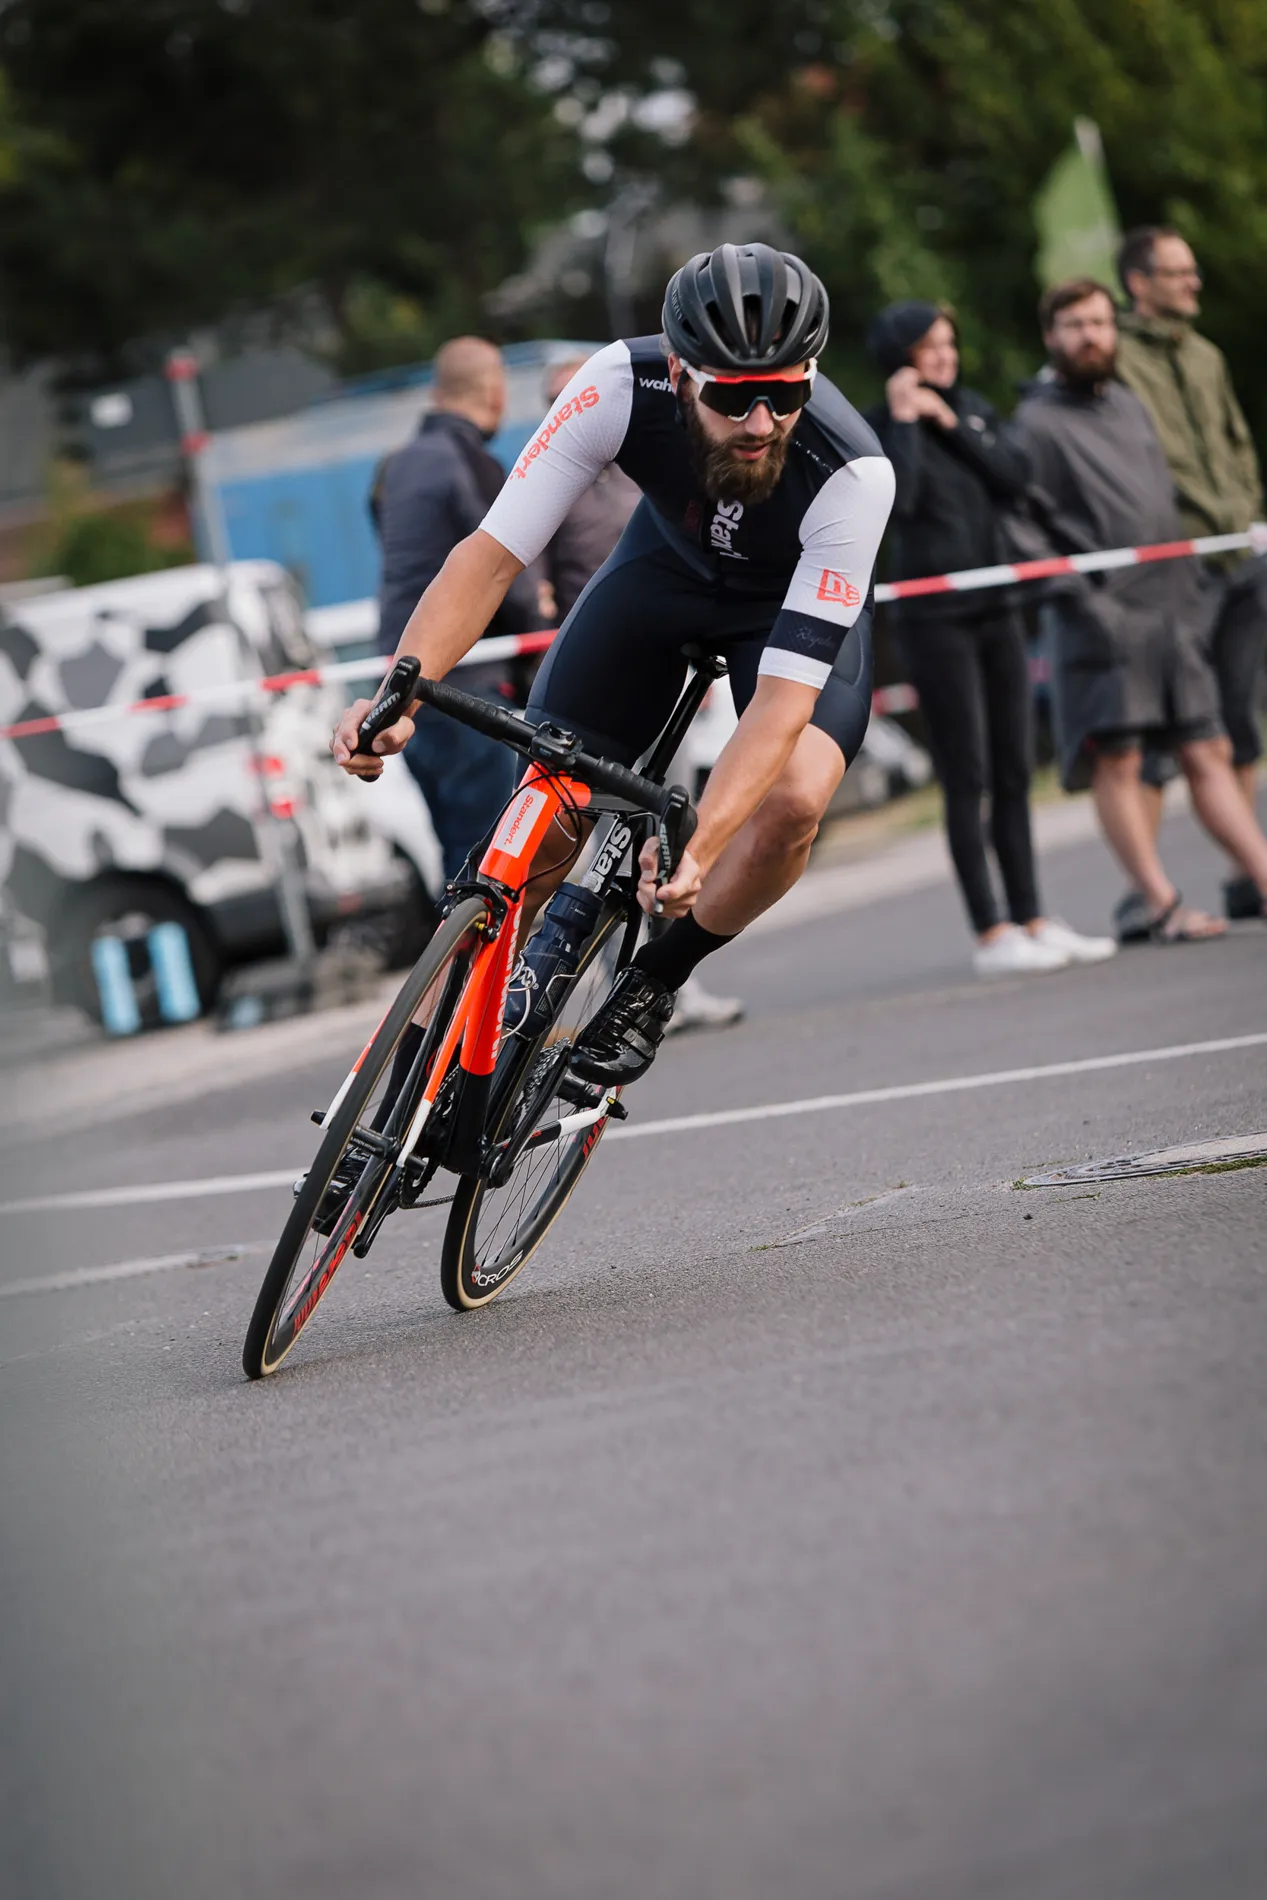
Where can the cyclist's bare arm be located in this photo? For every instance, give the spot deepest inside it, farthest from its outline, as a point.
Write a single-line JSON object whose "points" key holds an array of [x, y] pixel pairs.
{"points": [[750, 763], [445, 624]]}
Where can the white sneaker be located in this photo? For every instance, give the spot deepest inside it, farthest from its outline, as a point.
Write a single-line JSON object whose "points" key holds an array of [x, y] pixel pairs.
{"points": [[1056, 934], [1016, 953], [698, 1008]]}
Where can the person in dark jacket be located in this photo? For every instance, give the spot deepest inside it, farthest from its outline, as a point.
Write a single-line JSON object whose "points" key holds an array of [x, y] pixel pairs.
{"points": [[956, 470], [429, 496]]}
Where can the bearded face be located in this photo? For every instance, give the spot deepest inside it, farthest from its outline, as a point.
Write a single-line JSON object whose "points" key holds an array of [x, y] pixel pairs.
{"points": [[722, 464], [1087, 366], [1082, 342]]}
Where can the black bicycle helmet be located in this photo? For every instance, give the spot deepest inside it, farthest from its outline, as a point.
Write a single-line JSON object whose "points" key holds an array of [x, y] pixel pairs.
{"points": [[745, 307]]}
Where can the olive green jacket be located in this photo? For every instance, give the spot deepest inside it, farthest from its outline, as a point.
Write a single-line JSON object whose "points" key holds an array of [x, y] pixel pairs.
{"points": [[1183, 382]]}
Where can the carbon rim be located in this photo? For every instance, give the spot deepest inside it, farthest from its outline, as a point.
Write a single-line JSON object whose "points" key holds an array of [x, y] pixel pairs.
{"points": [[305, 1261]]}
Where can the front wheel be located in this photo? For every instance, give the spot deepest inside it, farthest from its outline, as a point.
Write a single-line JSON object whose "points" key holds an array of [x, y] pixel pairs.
{"points": [[492, 1231], [341, 1192]]}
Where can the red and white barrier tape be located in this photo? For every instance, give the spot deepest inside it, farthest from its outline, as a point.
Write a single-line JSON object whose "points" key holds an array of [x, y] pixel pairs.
{"points": [[346, 622], [503, 647], [968, 579]]}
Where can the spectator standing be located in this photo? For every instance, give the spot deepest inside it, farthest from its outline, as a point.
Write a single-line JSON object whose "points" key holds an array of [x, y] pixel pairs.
{"points": [[966, 655], [429, 496], [1129, 647], [583, 540], [1183, 382]]}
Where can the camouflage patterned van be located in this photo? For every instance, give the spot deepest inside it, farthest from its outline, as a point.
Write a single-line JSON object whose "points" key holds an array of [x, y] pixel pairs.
{"points": [[183, 814]]}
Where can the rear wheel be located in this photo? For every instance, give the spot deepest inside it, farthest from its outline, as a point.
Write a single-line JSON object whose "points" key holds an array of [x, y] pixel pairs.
{"points": [[492, 1231], [340, 1198]]}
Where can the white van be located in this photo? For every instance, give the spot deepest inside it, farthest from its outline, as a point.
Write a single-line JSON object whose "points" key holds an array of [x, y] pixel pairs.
{"points": [[185, 814]]}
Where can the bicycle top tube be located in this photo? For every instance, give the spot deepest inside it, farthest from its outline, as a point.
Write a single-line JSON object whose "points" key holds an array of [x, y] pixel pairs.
{"points": [[551, 748]]}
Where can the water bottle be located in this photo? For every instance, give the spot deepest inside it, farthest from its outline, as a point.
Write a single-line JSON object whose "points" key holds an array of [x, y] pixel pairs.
{"points": [[178, 999], [120, 1011], [549, 961]]}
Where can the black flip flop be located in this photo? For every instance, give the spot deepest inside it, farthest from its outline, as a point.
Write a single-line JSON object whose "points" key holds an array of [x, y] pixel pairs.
{"points": [[1159, 933]]}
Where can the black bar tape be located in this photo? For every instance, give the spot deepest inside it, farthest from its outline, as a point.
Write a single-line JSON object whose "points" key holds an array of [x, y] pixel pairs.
{"points": [[605, 775], [490, 720]]}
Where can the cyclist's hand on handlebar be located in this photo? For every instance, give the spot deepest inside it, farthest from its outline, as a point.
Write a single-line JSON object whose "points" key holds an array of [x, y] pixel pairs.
{"points": [[347, 733], [676, 897]]}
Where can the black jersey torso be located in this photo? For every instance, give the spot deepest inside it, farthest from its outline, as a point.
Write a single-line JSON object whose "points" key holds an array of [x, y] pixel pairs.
{"points": [[752, 549]]}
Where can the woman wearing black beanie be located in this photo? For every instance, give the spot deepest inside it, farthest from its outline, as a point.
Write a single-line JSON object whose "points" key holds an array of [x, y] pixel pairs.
{"points": [[956, 469]]}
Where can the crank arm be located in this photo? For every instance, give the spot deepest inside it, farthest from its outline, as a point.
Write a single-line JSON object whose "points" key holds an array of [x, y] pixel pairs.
{"points": [[570, 1125]]}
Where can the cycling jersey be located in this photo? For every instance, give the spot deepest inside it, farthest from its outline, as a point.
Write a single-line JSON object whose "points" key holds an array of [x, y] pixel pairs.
{"points": [[803, 558]]}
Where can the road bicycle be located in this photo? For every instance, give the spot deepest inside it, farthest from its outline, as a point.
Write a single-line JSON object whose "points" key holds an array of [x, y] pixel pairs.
{"points": [[466, 1094]]}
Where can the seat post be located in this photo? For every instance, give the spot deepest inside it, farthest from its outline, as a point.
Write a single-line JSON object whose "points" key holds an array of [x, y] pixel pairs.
{"points": [[707, 667]]}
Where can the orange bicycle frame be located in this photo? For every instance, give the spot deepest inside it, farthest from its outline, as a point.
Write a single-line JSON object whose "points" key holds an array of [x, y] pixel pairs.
{"points": [[475, 1031]]}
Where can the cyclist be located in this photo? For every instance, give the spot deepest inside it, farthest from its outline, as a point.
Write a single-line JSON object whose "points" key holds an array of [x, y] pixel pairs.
{"points": [[764, 499]]}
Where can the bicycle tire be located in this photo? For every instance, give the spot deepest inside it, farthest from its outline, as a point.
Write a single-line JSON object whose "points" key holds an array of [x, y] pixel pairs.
{"points": [[283, 1308], [467, 1281]]}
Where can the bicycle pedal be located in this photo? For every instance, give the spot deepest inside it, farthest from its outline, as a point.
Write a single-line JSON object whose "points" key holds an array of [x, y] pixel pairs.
{"points": [[618, 1111], [581, 1094], [318, 1117]]}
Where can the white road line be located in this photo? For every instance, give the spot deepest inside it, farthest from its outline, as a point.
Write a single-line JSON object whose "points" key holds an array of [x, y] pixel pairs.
{"points": [[130, 1269], [672, 1125], [152, 1191], [950, 1085]]}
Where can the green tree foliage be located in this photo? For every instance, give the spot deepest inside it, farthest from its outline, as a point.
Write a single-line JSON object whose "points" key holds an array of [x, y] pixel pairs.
{"points": [[200, 155], [907, 138], [108, 546], [162, 161]]}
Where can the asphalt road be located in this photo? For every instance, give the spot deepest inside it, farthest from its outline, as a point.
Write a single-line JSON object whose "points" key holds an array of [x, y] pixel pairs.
{"points": [[819, 1517]]}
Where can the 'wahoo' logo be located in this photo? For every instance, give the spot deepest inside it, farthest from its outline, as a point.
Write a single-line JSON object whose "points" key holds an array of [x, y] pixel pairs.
{"points": [[837, 588]]}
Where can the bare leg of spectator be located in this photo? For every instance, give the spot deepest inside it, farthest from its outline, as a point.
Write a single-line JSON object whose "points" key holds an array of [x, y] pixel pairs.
{"points": [[1220, 804], [1247, 779], [1154, 799], [1124, 815]]}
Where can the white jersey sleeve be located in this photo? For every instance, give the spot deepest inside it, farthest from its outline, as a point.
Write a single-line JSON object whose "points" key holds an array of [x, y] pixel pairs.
{"points": [[581, 435], [840, 538]]}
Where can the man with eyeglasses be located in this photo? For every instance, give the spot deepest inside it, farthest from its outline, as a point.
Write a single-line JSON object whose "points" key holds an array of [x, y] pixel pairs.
{"points": [[1182, 379], [765, 495]]}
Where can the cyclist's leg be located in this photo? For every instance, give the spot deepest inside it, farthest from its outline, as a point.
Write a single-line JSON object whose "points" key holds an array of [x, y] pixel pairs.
{"points": [[614, 674], [761, 862]]}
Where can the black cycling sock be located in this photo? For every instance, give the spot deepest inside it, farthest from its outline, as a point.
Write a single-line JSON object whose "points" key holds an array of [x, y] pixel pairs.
{"points": [[403, 1060], [673, 956]]}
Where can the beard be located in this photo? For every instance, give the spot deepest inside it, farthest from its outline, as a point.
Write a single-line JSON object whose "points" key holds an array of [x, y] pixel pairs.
{"points": [[1086, 371], [721, 474]]}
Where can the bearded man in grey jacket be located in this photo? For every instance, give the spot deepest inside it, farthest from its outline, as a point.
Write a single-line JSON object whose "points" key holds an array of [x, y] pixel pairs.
{"points": [[1129, 647]]}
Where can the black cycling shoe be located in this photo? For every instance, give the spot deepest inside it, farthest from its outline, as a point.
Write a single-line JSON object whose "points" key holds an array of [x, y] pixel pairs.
{"points": [[338, 1189], [620, 1042], [1242, 898]]}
